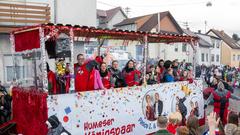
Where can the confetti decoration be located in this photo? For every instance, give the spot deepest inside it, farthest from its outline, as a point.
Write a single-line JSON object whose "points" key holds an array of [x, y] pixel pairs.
{"points": [[67, 110], [65, 119]]}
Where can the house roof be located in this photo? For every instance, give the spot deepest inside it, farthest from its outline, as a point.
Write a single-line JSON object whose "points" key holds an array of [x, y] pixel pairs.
{"points": [[151, 22], [227, 39], [202, 42], [107, 15]]}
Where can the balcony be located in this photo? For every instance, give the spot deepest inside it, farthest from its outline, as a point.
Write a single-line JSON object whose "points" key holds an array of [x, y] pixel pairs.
{"points": [[15, 14]]}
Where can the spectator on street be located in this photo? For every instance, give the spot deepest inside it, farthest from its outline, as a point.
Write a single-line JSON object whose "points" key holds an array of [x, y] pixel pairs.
{"points": [[182, 130], [162, 125]]}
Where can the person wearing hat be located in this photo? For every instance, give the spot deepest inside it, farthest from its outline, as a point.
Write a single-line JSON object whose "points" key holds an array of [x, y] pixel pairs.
{"points": [[162, 124], [220, 97]]}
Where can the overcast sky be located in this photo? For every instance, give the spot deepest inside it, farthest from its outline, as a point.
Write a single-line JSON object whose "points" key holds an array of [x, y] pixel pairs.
{"points": [[222, 15]]}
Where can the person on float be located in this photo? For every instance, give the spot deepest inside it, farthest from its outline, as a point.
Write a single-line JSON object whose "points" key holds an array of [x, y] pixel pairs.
{"points": [[117, 76], [106, 77], [84, 71], [52, 81], [130, 74], [169, 77], [161, 66], [185, 77], [176, 71], [220, 97]]}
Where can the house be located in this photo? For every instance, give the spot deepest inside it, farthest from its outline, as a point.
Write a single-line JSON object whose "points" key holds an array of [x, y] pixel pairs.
{"points": [[214, 55], [15, 14], [108, 18], [230, 49], [151, 23], [207, 49]]}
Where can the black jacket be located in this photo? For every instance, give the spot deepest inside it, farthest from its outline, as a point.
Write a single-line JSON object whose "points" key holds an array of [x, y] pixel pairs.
{"points": [[118, 78], [160, 107], [182, 107]]}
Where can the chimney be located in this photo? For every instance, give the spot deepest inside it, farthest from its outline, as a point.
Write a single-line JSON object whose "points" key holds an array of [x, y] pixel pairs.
{"points": [[199, 31], [222, 32]]}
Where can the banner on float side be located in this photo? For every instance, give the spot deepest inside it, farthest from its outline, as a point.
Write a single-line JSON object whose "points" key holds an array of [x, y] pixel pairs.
{"points": [[129, 111]]}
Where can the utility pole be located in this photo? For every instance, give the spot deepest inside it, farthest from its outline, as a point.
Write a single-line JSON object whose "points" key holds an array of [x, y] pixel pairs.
{"points": [[205, 23], [185, 24], [127, 10]]}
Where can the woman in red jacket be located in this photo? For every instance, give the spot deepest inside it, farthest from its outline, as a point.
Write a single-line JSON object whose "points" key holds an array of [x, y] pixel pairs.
{"points": [[130, 74], [185, 77], [106, 76]]}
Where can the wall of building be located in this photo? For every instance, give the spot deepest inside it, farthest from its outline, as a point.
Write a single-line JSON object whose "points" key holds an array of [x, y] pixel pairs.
{"points": [[80, 12], [206, 52], [225, 54], [5, 49], [235, 62], [116, 19], [167, 25], [216, 52]]}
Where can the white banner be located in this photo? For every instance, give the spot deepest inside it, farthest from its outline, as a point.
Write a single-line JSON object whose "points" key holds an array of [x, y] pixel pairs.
{"points": [[130, 111]]}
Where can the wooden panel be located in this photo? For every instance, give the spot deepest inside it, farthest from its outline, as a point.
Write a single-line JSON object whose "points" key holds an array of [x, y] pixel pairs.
{"points": [[24, 6], [23, 16], [22, 21], [25, 11]]}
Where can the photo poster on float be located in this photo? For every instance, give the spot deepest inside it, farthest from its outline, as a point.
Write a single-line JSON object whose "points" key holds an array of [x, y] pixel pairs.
{"points": [[124, 110]]}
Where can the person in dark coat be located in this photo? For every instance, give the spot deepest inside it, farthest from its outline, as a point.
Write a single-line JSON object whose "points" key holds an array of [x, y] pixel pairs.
{"points": [[5, 105], [117, 75], [158, 106], [182, 108], [55, 126]]}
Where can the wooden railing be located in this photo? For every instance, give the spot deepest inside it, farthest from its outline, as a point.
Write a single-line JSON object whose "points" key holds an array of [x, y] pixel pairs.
{"points": [[23, 13]]}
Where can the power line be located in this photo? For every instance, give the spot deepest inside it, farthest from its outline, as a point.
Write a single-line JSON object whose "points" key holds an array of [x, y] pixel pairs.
{"points": [[107, 4]]}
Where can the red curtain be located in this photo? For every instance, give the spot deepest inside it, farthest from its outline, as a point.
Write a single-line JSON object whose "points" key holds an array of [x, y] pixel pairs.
{"points": [[30, 111], [27, 40]]}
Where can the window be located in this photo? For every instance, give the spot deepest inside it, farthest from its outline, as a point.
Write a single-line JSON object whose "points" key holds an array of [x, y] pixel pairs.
{"points": [[212, 58], [10, 73], [202, 57], [206, 57], [217, 58], [234, 57], [213, 42], [176, 48], [184, 47], [217, 43], [238, 57]]}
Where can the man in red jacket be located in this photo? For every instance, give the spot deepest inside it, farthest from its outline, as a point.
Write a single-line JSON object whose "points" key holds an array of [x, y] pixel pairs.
{"points": [[84, 75]]}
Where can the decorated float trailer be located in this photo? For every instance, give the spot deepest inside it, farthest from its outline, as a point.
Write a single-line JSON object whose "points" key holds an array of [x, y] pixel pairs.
{"points": [[95, 112]]}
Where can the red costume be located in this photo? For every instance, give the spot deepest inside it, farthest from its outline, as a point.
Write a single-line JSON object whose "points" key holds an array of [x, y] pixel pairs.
{"points": [[84, 78], [172, 128], [52, 83], [221, 105], [106, 80], [132, 77]]}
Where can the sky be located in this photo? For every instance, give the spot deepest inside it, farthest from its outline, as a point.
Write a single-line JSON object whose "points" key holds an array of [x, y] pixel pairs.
{"points": [[222, 15]]}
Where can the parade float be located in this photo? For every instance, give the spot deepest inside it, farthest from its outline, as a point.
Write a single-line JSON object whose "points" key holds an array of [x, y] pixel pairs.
{"points": [[95, 112]]}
